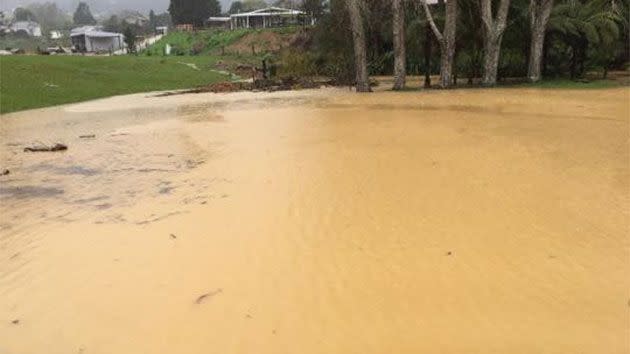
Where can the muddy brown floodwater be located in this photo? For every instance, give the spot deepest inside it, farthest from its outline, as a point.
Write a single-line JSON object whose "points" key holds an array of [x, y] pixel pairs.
{"points": [[469, 221]]}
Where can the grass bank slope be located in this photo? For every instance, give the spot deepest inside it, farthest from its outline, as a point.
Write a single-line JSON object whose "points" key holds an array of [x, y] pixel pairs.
{"points": [[39, 81], [242, 42]]}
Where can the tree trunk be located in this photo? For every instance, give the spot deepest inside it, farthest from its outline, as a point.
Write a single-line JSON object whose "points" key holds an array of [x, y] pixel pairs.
{"points": [[492, 48], [427, 57], [446, 40], [400, 72], [360, 54], [493, 35], [545, 56], [573, 61], [448, 52], [539, 13], [583, 49]]}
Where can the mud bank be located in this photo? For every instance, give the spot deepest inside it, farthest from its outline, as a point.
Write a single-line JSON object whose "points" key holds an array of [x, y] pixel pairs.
{"points": [[478, 221]]}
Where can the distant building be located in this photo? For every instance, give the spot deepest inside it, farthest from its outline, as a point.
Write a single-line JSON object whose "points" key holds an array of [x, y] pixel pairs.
{"points": [[185, 27], [55, 34], [30, 28], [92, 39], [161, 30], [263, 18], [218, 22], [133, 18]]}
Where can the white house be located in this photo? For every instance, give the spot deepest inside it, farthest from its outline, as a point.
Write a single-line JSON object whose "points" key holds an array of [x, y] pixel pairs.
{"points": [[262, 18], [93, 39], [55, 35], [161, 30], [31, 28]]}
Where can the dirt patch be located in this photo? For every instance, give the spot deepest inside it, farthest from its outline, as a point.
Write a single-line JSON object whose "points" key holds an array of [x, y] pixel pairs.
{"points": [[264, 41], [268, 85]]}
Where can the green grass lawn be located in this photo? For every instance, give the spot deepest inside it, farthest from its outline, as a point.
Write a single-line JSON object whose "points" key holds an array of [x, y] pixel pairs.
{"points": [[39, 81], [570, 84]]}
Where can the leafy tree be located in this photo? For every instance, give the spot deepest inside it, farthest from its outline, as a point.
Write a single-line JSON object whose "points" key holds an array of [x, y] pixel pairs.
{"points": [[49, 16], [152, 20], [23, 14], [236, 7], [163, 19], [315, 8], [583, 24], [83, 15], [130, 39], [251, 5], [193, 11], [113, 24], [287, 4]]}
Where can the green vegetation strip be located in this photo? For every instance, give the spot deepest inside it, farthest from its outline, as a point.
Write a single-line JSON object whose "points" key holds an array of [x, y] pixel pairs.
{"points": [[571, 84], [39, 81]]}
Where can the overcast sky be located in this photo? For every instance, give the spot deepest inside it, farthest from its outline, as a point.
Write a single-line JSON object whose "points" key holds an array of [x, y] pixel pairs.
{"points": [[103, 5]]}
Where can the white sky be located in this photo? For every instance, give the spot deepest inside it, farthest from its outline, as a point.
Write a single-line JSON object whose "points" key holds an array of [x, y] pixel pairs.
{"points": [[103, 5]]}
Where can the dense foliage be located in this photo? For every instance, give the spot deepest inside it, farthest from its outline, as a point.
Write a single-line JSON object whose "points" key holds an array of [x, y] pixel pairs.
{"points": [[193, 11], [22, 14], [582, 36], [50, 16], [83, 15]]}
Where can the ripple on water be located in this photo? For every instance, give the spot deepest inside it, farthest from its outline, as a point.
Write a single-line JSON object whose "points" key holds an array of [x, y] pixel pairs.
{"points": [[28, 191]]}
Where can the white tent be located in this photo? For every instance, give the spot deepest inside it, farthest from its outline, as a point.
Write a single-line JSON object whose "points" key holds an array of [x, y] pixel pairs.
{"points": [[92, 39]]}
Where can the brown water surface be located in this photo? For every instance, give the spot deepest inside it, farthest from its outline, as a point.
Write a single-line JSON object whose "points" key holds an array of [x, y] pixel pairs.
{"points": [[469, 221]]}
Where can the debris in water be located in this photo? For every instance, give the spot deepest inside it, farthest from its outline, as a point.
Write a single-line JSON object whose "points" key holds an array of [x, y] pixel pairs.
{"points": [[5, 173], [91, 136], [56, 147], [449, 253], [203, 297], [15, 322], [173, 236]]}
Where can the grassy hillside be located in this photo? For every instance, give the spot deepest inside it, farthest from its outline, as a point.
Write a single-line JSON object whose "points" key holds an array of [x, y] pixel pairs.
{"points": [[39, 81], [212, 42], [30, 44]]}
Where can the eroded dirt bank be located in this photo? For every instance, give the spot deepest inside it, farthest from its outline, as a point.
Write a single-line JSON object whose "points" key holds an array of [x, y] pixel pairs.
{"points": [[478, 221]]}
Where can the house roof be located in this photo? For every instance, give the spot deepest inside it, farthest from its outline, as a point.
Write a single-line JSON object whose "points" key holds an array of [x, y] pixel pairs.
{"points": [[269, 11], [84, 29], [90, 31], [25, 25]]}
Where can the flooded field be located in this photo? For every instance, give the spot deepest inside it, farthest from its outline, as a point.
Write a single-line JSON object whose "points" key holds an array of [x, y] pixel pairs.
{"points": [[468, 221]]}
